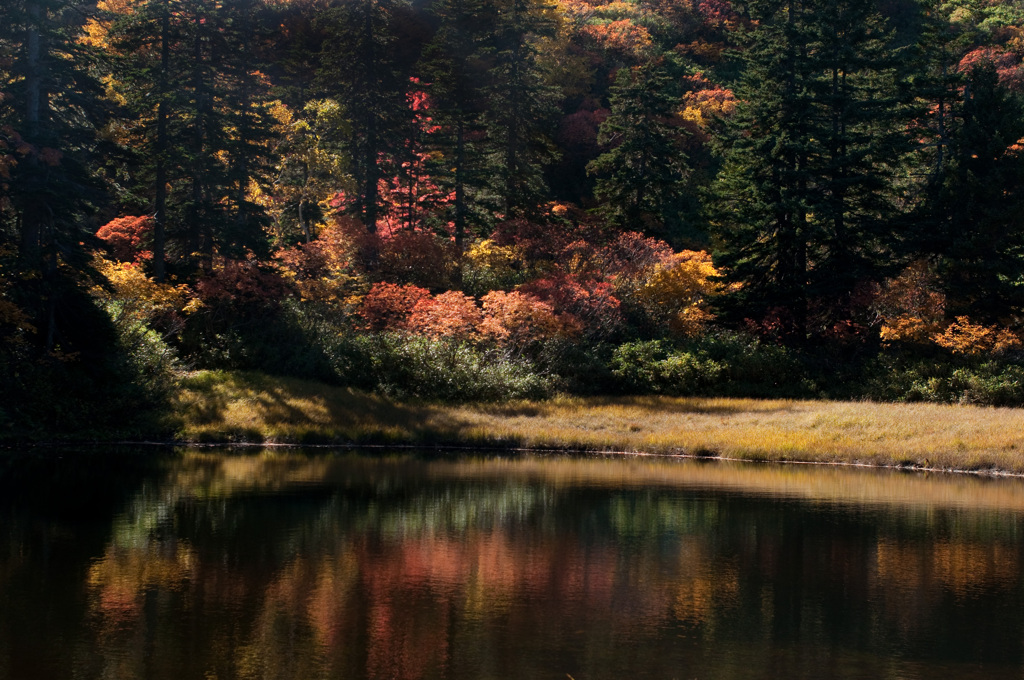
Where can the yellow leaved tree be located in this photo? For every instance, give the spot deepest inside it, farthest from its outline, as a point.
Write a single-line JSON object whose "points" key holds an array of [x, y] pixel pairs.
{"points": [[677, 291]]}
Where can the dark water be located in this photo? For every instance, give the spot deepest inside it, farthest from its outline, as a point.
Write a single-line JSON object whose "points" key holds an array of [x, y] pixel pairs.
{"points": [[196, 564]]}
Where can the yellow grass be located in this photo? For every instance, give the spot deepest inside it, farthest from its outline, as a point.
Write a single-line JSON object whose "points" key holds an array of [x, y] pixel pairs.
{"points": [[252, 407]]}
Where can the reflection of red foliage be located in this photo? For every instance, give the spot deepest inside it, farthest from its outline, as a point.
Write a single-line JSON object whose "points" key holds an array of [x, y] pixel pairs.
{"points": [[388, 306], [125, 237]]}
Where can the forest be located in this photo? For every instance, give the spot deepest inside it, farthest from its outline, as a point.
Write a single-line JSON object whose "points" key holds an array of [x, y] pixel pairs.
{"points": [[489, 200]]}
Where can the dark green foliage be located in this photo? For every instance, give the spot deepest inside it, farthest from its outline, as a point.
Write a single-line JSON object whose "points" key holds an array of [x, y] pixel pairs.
{"points": [[359, 65], [652, 366], [404, 366], [905, 377], [454, 66], [802, 207], [108, 379], [641, 176], [754, 368], [982, 200], [577, 367], [49, 110], [520, 109]]}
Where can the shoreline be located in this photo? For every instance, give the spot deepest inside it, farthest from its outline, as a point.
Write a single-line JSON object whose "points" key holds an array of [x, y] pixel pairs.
{"points": [[484, 448], [255, 410]]}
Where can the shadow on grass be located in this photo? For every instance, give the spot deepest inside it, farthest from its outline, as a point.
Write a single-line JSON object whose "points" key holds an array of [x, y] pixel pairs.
{"points": [[298, 411]]}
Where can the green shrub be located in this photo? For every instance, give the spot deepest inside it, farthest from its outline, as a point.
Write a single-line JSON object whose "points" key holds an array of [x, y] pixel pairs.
{"points": [[945, 379], [650, 366], [577, 367], [407, 366], [752, 368], [150, 361]]}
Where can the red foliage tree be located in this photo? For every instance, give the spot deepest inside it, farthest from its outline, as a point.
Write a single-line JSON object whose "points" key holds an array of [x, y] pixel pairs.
{"points": [[388, 306], [591, 302], [126, 236], [632, 252], [516, 319], [448, 315], [1007, 64], [242, 283]]}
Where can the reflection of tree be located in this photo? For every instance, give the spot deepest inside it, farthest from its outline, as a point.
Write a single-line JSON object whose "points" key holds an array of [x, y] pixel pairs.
{"points": [[287, 565]]}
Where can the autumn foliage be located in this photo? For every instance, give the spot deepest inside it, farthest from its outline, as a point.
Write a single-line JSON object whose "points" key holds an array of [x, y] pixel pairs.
{"points": [[127, 236], [449, 315]]}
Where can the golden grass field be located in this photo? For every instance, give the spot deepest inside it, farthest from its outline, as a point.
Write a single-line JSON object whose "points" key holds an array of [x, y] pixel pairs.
{"points": [[232, 407]]}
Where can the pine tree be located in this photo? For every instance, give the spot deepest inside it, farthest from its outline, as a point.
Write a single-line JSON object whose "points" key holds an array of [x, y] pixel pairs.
{"points": [[196, 120], [803, 199], [144, 49], [641, 176], [358, 67], [981, 202], [520, 104], [760, 196], [48, 113], [453, 68]]}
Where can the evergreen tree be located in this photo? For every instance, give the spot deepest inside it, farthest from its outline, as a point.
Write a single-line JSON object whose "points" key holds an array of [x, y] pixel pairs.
{"points": [[982, 200], [641, 175], [250, 134], [453, 67], [359, 68], [803, 199], [197, 122], [520, 104], [144, 49], [48, 113]]}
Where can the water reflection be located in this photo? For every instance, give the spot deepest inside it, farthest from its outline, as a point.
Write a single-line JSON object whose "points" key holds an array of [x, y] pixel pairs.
{"points": [[293, 565]]}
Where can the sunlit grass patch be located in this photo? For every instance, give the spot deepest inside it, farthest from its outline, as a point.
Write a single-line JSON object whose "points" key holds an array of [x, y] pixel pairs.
{"points": [[224, 406]]}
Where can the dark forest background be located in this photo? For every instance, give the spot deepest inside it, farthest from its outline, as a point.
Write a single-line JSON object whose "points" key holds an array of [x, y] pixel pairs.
{"points": [[494, 199]]}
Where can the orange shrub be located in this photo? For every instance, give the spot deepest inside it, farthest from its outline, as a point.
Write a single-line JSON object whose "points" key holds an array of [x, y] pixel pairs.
{"points": [[517, 319], [966, 337], [322, 270], [388, 306], [126, 235], [449, 315], [910, 306]]}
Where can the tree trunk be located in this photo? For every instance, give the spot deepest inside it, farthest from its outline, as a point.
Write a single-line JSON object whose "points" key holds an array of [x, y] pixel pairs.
{"points": [[160, 211]]}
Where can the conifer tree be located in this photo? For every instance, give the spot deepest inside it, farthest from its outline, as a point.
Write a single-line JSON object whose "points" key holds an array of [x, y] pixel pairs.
{"points": [[358, 67], [197, 117], [453, 69], [520, 104], [144, 49], [641, 175], [803, 204], [48, 113], [982, 200]]}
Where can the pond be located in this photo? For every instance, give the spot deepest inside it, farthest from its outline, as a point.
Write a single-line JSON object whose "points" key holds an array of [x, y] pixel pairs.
{"points": [[381, 564]]}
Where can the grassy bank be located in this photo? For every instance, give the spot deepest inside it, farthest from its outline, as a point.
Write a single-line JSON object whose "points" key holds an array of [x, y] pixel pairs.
{"points": [[219, 407]]}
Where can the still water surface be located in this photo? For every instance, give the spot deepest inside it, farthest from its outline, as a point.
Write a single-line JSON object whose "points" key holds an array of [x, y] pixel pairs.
{"points": [[287, 564]]}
